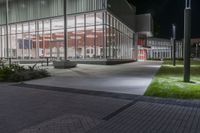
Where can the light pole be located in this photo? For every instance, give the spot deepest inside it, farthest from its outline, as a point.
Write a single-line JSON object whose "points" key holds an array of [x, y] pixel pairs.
{"points": [[7, 50], [174, 43], [197, 49], [187, 40], [65, 29]]}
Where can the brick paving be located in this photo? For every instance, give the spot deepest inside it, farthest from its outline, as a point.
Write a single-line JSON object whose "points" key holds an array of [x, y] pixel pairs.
{"points": [[22, 108], [43, 110], [148, 117], [66, 124]]}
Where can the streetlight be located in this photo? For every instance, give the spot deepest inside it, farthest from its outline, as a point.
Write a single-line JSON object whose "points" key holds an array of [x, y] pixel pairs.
{"points": [[7, 27], [174, 43], [197, 49], [7, 38], [187, 40], [65, 29]]}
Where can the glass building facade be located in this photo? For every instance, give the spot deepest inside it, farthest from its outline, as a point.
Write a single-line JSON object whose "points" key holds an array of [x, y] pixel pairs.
{"points": [[36, 30], [162, 48]]}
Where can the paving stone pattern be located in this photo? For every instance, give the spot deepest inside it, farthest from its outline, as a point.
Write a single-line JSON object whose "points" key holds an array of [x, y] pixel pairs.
{"points": [[142, 115], [21, 108], [146, 117], [66, 124], [28, 110]]}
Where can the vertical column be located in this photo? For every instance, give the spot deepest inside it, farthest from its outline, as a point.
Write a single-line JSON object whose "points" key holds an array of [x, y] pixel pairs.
{"points": [[174, 52], [187, 38], [123, 42], [1, 48], [43, 40], [75, 37], [51, 39], [106, 33], [103, 33], [22, 41], [182, 50], [16, 41], [65, 29], [112, 38], [10, 43], [85, 32], [174, 44], [109, 25], [135, 47], [196, 50], [37, 40], [171, 52], [118, 39], [95, 33], [7, 38], [29, 41]]}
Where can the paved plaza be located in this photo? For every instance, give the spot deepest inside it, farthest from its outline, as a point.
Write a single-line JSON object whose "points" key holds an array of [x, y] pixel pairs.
{"points": [[35, 108], [29, 110], [131, 78]]}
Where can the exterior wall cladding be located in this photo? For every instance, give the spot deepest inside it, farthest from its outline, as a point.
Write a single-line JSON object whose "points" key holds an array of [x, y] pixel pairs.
{"points": [[96, 29]]}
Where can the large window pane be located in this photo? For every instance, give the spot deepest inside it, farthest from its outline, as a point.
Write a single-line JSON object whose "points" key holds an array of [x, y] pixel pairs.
{"points": [[57, 23], [99, 41], [90, 53], [70, 21], [90, 20], [80, 34], [71, 43]]}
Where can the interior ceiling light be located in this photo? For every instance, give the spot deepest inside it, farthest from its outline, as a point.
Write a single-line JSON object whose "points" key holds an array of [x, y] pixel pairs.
{"points": [[75, 37], [78, 32], [59, 38], [91, 36]]}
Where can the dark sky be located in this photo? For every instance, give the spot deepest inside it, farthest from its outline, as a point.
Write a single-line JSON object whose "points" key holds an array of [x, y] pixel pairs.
{"points": [[167, 12]]}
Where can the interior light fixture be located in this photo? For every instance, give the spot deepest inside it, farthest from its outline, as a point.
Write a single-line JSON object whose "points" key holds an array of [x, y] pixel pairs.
{"points": [[75, 37], [78, 32], [91, 36]]}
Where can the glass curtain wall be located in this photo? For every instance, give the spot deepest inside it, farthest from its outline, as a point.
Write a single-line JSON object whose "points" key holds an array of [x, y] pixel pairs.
{"points": [[24, 10], [93, 35], [159, 49], [119, 39]]}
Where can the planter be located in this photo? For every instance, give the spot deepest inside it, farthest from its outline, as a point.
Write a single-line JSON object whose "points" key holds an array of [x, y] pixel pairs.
{"points": [[64, 64]]}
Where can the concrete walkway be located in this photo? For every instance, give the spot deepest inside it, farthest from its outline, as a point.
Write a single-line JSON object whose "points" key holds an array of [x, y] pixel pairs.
{"points": [[132, 78]]}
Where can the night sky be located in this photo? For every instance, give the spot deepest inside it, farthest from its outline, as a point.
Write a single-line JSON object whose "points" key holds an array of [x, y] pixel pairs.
{"points": [[167, 12]]}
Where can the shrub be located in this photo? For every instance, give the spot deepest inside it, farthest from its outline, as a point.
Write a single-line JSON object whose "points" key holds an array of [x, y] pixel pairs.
{"points": [[16, 73]]}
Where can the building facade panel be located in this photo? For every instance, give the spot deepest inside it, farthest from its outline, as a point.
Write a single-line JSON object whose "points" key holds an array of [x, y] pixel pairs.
{"points": [[91, 35], [159, 48], [25, 10]]}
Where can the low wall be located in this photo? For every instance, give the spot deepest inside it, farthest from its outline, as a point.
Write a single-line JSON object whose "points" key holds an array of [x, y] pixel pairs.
{"points": [[104, 62]]}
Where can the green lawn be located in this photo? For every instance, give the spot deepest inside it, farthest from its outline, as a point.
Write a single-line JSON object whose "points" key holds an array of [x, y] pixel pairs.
{"points": [[168, 82]]}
